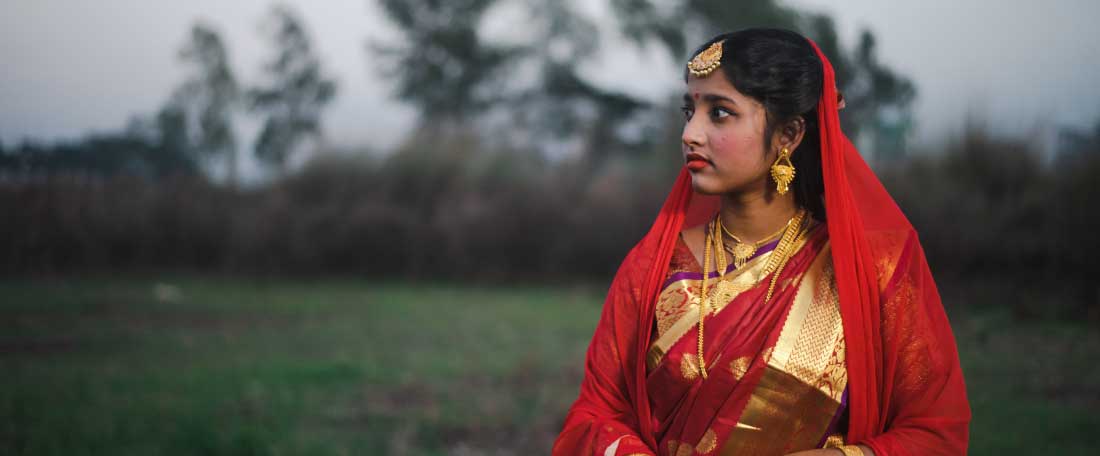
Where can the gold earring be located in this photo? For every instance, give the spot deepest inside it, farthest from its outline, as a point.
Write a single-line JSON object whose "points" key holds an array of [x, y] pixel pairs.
{"points": [[783, 171]]}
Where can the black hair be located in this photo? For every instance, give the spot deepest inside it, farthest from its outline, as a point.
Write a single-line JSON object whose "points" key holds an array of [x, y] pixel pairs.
{"points": [[781, 70]]}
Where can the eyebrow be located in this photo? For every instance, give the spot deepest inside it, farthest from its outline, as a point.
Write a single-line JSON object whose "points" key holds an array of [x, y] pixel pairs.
{"points": [[710, 98]]}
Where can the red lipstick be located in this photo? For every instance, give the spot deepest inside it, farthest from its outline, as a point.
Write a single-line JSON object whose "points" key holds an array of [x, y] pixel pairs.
{"points": [[696, 162]]}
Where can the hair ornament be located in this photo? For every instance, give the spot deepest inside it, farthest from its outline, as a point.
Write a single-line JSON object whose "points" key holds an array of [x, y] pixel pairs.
{"points": [[704, 63]]}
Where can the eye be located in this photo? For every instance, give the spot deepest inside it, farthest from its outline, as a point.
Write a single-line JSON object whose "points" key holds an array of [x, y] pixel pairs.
{"points": [[720, 113]]}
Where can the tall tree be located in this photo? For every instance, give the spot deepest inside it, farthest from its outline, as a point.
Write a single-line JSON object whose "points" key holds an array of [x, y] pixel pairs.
{"points": [[296, 92], [562, 104], [454, 77], [440, 63], [207, 100], [677, 25]]}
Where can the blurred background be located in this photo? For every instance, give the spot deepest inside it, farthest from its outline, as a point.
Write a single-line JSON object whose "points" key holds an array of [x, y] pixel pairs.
{"points": [[387, 227]]}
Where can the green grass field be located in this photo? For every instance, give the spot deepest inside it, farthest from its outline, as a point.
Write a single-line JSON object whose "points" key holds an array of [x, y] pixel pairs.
{"points": [[340, 367]]}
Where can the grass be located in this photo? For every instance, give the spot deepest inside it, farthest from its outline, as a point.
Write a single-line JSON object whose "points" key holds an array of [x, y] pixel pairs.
{"points": [[204, 366]]}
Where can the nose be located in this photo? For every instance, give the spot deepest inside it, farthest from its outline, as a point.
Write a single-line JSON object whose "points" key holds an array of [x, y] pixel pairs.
{"points": [[693, 134]]}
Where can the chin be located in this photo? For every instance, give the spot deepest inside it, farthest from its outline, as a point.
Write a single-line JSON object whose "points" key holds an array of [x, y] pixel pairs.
{"points": [[705, 185]]}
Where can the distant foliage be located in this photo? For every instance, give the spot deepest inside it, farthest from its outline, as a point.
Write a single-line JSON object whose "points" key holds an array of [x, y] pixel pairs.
{"points": [[144, 150], [453, 208], [440, 64], [538, 91], [992, 211], [297, 90], [527, 92], [206, 101]]}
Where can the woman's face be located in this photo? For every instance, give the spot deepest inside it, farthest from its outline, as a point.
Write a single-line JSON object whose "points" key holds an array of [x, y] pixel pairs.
{"points": [[723, 140]]}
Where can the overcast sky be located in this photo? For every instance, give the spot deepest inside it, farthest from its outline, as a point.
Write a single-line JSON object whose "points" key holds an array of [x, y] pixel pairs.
{"points": [[70, 67]]}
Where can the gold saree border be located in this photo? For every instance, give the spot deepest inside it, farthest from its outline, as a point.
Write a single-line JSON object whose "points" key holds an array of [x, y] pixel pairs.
{"points": [[782, 413], [813, 329], [801, 388], [690, 287], [739, 281]]}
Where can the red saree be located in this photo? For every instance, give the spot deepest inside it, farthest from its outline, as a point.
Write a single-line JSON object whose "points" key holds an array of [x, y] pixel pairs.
{"points": [[906, 394]]}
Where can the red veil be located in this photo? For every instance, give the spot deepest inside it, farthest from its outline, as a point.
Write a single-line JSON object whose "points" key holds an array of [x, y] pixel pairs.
{"points": [[906, 390]]}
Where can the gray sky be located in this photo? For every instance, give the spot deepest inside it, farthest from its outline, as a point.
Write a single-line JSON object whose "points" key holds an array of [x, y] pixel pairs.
{"points": [[1028, 66], [70, 67]]}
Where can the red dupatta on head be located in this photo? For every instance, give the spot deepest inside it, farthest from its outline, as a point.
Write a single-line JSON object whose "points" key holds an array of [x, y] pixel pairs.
{"points": [[906, 390]]}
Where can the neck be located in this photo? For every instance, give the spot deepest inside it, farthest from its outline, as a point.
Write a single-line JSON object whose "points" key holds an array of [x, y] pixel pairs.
{"points": [[752, 216]]}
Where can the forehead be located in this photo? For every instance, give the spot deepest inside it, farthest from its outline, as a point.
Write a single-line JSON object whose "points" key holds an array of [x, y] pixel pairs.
{"points": [[716, 84]]}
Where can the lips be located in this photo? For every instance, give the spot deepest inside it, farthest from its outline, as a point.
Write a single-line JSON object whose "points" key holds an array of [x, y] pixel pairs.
{"points": [[696, 161]]}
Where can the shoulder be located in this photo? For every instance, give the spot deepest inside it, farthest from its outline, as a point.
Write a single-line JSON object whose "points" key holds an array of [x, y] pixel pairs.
{"points": [[642, 258], [631, 273]]}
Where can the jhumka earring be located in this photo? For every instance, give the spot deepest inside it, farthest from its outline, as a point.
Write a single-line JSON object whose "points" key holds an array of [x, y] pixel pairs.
{"points": [[783, 171]]}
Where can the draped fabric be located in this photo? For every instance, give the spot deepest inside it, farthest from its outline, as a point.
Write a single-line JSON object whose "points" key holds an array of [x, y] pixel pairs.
{"points": [[906, 389], [776, 375]]}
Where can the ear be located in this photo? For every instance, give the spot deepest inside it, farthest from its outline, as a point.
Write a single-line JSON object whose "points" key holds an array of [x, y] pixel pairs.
{"points": [[789, 134]]}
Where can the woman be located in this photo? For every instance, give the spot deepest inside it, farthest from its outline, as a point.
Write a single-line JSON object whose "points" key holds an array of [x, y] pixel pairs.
{"points": [[781, 303]]}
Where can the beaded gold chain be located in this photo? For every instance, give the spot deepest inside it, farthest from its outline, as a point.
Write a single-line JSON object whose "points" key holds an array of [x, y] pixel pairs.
{"points": [[781, 262], [776, 263], [704, 304]]}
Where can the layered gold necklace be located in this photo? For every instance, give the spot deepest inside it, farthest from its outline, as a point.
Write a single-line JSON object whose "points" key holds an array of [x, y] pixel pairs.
{"points": [[791, 233], [742, 251]]}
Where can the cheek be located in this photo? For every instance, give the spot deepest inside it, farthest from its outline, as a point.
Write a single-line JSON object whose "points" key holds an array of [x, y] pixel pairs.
{"points": [[737, 145]]}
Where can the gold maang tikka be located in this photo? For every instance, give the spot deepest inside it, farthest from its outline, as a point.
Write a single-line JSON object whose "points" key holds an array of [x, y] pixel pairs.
{"points": [[783, 171], [704, 63]]}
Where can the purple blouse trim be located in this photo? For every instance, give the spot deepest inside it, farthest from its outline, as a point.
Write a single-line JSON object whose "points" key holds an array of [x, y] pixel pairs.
{"points": [[836, 418], [713, 274]]}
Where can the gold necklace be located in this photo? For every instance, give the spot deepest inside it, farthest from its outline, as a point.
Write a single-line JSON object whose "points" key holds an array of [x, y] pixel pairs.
{"points": [[785, 249], [776, 263], [742, 251]]}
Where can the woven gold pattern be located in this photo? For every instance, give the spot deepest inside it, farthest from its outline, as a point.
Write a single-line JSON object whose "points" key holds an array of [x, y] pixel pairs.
{"points": [[799, 392], [689, 367], [680, 299], [819, 333], [886, 247], [835, 377], [740, 366], [677, 308], [904, 326], [678, 448], [834, 441], [783, 415], [674, 302], [708, 443], [850, 450]]}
